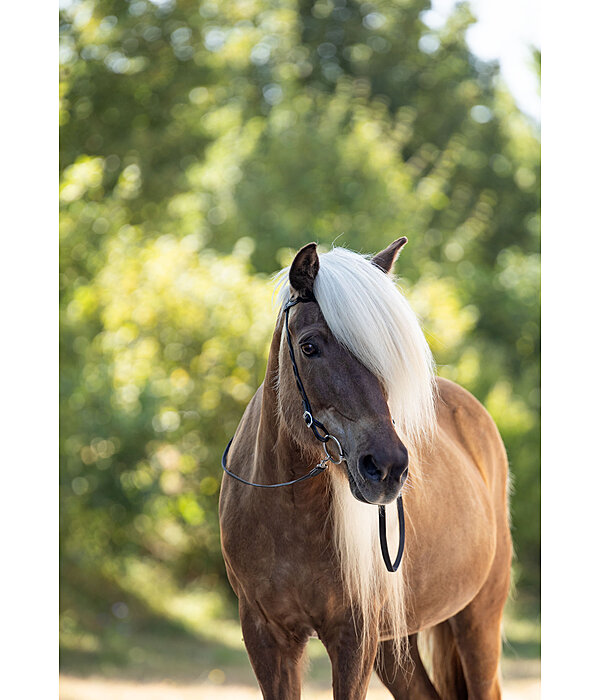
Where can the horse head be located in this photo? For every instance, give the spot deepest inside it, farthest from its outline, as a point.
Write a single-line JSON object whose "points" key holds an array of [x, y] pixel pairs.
{"points": [[346, 396]]}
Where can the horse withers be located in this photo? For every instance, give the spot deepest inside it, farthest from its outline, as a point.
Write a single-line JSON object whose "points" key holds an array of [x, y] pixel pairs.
{"points": [[349, 369]]}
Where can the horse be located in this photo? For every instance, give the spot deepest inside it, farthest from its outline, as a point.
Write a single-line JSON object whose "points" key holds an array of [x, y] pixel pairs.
{"points": [[302, 554]]}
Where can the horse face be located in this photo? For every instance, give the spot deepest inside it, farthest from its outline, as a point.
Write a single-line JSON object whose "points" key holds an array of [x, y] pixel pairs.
{"points": [[349, 400]]}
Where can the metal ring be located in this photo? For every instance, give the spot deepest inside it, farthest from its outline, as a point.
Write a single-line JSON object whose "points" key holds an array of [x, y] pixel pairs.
{"points": [[308, 419], [339, 447]]}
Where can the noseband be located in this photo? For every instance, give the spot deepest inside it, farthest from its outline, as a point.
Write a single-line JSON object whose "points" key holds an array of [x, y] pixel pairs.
{"points": [[321, 433]]}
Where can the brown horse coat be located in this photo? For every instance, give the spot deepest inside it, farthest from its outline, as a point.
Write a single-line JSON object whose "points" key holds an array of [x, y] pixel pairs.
{"points": [[279, 545]]}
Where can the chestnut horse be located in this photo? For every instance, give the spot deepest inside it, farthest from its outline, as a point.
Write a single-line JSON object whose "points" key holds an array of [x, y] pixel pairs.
{"points": [[303, 558]]}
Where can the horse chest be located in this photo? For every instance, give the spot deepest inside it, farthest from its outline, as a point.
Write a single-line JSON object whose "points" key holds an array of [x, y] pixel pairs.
{"points": [[282, 546], [281, 564]]}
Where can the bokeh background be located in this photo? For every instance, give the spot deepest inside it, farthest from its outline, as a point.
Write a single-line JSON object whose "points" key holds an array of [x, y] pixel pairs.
{"points": [[201, 144]]}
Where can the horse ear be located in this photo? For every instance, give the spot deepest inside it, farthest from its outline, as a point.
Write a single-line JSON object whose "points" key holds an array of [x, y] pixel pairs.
{"points": [[304, 269], [386, 258]]}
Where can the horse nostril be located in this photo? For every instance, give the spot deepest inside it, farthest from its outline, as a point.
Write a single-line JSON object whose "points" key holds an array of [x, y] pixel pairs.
{"points": [[369, 469]]}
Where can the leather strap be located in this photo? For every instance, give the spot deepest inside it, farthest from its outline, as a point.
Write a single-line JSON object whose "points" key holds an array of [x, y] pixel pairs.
{"points": [[385, 553], [309, 418], [315, 471]]}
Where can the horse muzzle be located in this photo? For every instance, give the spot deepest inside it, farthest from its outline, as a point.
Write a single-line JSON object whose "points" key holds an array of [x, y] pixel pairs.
{"points": [[378, 476]]}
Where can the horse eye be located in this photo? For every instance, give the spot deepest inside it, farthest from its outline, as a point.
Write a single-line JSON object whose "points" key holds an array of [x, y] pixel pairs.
{"points": [[309, 349]]}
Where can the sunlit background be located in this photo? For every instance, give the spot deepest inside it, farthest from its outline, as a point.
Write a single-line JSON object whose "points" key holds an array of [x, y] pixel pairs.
{"points": [[202, 143]]}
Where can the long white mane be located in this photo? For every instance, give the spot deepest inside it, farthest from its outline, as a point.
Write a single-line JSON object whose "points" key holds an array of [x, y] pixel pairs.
{"points": [[367, 313]]}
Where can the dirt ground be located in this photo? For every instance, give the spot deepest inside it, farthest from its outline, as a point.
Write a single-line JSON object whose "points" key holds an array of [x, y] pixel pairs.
{"points": [[525, 685]]}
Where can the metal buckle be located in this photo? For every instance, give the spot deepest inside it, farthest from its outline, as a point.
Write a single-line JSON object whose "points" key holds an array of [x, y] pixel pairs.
{"points": [[339, 447], [308, 419], [322, 465]]}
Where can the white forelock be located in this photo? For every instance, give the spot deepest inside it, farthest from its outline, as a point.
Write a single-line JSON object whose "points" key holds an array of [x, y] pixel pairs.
{"points": [[367, 314]]}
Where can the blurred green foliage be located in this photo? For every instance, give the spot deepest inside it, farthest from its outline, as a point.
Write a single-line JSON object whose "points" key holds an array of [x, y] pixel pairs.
{"points": [[203, 142]]}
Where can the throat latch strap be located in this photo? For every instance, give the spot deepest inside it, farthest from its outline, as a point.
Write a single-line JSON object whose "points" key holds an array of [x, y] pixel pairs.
{"points": [[315, 471]]}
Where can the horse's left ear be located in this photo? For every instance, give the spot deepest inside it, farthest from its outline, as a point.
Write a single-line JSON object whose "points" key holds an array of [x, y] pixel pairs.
{"points": [[304, 269], [386, 258]]}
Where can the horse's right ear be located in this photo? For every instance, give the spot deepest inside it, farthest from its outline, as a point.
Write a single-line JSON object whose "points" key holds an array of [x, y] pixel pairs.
{"points": [[386, 258], [304, 269]]}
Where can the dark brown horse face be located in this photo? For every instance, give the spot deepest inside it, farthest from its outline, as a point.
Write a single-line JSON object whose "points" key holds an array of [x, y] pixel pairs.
{"points": [[348, 399]]}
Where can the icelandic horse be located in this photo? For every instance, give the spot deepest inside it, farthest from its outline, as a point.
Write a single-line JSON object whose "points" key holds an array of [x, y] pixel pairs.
{"points": [[303, 559]]}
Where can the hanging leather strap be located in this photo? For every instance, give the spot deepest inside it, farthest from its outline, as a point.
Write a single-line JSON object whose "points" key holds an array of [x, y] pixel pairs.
{"points": [[385, 552]]}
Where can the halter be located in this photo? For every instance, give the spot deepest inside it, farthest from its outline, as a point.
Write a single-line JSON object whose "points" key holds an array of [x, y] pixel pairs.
{"points": [[321, 433]]}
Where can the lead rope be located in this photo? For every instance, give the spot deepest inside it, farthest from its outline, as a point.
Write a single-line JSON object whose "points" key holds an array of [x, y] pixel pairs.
{"points": [[324, 438], [385, 552]]}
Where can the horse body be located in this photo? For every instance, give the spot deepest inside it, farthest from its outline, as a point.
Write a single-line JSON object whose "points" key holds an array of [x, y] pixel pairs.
{"points": [[283, 559]]}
